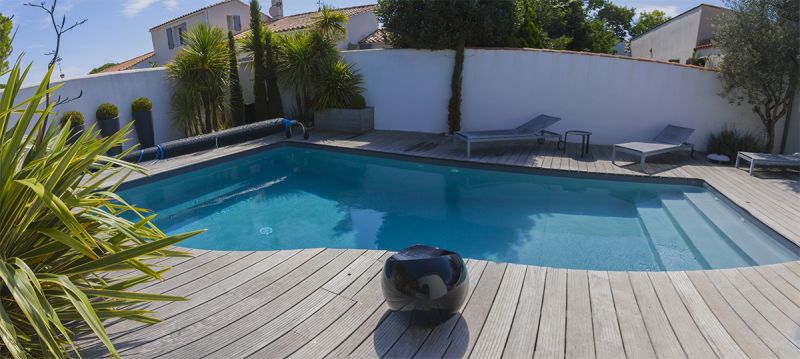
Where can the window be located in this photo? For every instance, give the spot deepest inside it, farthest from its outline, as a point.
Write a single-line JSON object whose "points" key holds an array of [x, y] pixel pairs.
{"points": [[181, 32], [234, 23], [170, 42]]}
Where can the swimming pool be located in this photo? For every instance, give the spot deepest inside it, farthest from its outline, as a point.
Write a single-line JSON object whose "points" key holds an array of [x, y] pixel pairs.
{"points": [[292, 197]]}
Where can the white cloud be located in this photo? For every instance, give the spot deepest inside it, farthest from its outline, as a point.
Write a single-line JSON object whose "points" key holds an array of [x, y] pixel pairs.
{"points": [[670, 10], [134, 7]]}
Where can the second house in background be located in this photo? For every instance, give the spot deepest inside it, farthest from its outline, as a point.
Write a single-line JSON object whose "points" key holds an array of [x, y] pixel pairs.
{"points": [[234, 15]]}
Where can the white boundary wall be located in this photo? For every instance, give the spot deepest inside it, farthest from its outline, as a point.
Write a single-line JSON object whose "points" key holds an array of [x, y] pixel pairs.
{"points": [[119, 88], [618, 99]]}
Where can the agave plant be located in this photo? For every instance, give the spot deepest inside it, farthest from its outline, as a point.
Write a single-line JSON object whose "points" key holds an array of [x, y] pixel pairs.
{"points": [[63, 229], [200, 75]]}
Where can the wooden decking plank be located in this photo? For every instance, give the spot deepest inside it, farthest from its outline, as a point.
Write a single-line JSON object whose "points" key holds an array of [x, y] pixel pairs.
{"points": [[684, 327], [715, 334], [219, 275], [245, 320], [193, 322], [769, 334], [271, 330], [346, 277], [195, 272], [358, 322], [607, 338], [773, 314], [631, 321], [493, 336], [784, 272], [580, 333], [551, 337], [747, 340], [768, 288], [474, 315], [284, 260], [662, 336], [437, 341], [384, 337], [522, 339]]}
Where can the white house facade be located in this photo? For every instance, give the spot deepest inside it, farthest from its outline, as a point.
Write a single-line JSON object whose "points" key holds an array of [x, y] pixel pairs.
{"points": [[677, 39]]}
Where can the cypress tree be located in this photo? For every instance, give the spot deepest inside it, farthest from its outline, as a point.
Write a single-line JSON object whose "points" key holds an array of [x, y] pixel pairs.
{"points": [[273, 92], [235, 90], [259, 68]]}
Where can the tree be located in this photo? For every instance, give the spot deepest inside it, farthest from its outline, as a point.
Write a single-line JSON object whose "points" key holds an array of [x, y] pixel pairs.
{"points": [[6, 37], [618, 19], [648, 21], [102, 67], [758, 42], [234, 88], [60, 28], [275, 108], [452, 24], [259, 63], [64, 230], [526, 34], [200, 73]]}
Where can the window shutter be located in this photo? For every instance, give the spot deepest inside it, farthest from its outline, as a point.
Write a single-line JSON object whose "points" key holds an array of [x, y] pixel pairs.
{"points": [[182, 31], [237, 23], [230, 22], [169, 38]]}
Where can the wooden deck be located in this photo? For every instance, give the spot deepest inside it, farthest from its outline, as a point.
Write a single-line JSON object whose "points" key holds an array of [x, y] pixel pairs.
{"points": [[327, 302]]}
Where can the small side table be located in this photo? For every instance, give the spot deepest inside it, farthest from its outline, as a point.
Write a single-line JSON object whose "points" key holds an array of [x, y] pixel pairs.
{"points": [[585, 136]]}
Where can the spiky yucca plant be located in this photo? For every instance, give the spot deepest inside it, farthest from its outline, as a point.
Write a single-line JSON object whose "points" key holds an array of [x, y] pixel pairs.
{"points": [[62, 230]]}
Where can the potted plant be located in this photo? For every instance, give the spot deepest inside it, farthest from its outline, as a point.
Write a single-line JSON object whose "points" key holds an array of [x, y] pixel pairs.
{"points": [[108, 120], [74, 120], [141, 109]]}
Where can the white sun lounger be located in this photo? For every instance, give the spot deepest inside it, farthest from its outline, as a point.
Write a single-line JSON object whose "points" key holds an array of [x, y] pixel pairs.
{"points": [[767, 159], [533, 129], [671, 138]]}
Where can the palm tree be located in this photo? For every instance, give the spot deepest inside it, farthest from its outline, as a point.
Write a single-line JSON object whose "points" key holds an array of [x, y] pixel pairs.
{"points": [[200, 72], [330, 23], [309, 63]]}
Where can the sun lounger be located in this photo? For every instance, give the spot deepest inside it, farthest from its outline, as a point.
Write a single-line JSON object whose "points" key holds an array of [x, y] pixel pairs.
{"points": [[671, 138], [767, 159], [533, 129]]}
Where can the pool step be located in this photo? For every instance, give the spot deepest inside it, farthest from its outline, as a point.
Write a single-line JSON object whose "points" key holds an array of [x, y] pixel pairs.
{"points": [[715, 247], [672, 247], [738, 230]]}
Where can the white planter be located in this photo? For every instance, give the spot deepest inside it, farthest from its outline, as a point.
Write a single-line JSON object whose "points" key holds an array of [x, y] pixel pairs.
{"points": [[345, 120]]}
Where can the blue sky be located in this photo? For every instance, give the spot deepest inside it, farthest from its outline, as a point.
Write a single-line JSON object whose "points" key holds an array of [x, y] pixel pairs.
{"points": [[117, 30]]}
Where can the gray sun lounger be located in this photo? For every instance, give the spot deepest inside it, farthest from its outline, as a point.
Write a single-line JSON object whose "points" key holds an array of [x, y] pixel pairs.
{"points": [[533, 129], [767, 159], [671, 138]]}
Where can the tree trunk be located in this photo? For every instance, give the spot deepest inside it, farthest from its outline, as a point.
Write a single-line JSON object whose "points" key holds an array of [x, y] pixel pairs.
{"points": [[454, 106]]}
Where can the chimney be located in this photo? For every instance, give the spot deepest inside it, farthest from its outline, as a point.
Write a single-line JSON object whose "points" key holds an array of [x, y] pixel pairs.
{"points": [[276, 10]]}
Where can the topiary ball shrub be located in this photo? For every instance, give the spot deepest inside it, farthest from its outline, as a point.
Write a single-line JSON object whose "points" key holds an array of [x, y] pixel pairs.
{"points": [[141, 104], [358, 102], [72, 118], [107, 111]]}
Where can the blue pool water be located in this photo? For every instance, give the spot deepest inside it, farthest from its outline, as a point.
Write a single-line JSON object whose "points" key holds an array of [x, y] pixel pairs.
{"points": [[294, 197]]}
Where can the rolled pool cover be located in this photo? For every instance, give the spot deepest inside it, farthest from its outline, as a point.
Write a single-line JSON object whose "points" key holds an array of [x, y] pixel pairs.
{"points": [[208, 141], [189, 145], [250, 132], [147, 154]]}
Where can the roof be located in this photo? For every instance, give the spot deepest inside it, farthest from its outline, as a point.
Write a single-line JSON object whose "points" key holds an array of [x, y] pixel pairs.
{"points": [[194, 12], [376, 37], [129, 63], [679, 16], [301, 21]]}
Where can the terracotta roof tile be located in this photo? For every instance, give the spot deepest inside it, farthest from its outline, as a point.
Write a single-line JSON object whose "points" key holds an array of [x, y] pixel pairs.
{"points": [[125, 65], [301, 21], [190, 13], [376, 37]]}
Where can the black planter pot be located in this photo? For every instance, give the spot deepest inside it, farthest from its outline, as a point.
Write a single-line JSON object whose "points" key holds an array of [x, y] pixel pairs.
{"points": [[74, 133], [144, 128], [250, 113], [108, 128], [428, 283]]}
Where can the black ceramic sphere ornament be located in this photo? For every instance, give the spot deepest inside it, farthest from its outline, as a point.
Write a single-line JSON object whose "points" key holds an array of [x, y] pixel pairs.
{"points": [[427, 282]]}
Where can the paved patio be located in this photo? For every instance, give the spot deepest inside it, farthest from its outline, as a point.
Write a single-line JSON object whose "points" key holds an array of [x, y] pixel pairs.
{"points": [[327, 302]]}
